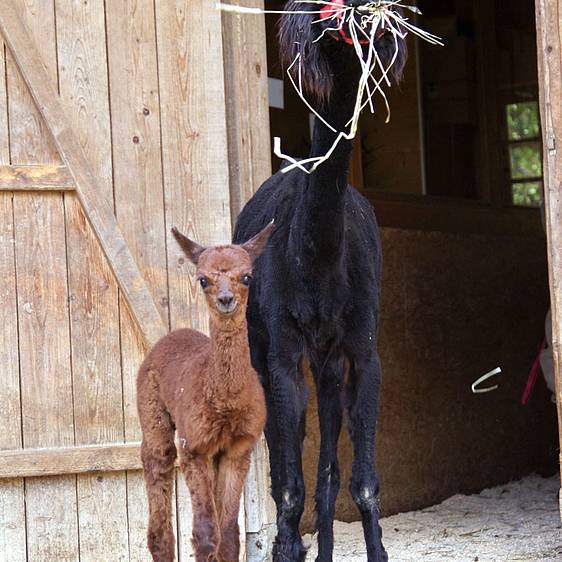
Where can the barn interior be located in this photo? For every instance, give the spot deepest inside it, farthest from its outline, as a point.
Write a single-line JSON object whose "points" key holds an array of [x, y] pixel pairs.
{"points": [[455, 179]]}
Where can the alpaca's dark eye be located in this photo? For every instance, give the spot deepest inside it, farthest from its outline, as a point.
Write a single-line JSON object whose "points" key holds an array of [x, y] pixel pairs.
{"points": [[246, 279], [204, 282]]}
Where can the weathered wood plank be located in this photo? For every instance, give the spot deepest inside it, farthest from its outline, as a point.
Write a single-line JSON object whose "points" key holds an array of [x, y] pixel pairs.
{"points": [[139, 202], [4, 131], [194, 151], [109, 457], [549, 48], [34, 141], [247, 105], [194, 143], [42, 301], [46, 383], [12, 510], [137, 167], [99, 212], [96, 365], [249, 160], [47, 177]]}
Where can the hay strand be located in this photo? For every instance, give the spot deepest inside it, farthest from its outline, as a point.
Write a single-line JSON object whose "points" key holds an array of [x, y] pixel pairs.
{"points": [[364, 23]]}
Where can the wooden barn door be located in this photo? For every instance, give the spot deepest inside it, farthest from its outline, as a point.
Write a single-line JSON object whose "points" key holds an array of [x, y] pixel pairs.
{"points": [[112, 129]]}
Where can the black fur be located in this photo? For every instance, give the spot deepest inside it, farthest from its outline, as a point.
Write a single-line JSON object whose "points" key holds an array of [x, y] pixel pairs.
{"points": [[297, 34], [315, 294]]}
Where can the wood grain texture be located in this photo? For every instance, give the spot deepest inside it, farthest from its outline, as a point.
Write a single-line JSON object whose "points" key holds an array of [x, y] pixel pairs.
{"points": [[109, 457], [139, 202], [549, 48], [249, 161], [42, 301], [97, 209], [27, 129], [35, 178], [194, 141], [95, 344], [137, 167], [12, 509], [4, 131], [247, 104], [44, 351], [194, 152]]}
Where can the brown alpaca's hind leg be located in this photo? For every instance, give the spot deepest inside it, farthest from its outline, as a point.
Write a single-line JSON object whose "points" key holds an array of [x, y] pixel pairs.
{"points": [[158, 453], [232, 474], [200, 475], [158, 463]]}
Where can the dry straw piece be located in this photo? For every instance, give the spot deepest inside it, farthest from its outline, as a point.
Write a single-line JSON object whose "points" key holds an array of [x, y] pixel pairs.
{"points": [[364, 23]]}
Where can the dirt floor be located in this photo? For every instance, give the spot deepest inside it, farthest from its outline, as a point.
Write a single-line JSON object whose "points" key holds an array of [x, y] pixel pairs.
{"points": [[516, 522]]}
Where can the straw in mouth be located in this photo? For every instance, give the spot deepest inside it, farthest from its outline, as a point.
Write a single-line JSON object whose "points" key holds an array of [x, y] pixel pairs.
{"points": [[360, 26]]}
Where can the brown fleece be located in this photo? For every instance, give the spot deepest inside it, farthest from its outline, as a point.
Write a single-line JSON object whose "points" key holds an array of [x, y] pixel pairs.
{"points": [[206, 389]]}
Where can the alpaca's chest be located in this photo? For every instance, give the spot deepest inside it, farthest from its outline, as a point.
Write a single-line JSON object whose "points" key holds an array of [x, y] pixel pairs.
{"points": [[218, 422], [318, 308], [225, 425]]}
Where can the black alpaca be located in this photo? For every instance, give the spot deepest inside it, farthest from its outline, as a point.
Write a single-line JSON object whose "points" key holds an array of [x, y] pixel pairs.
{"points": [[315, 293]]}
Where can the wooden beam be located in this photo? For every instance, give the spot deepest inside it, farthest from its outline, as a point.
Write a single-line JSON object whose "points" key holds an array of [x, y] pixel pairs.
{"points": [[492, 188], [69, 460], [98, 210], [36, 178], [457, 216], [549, 51]]}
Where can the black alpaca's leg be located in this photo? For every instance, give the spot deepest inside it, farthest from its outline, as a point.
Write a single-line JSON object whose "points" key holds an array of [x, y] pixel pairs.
{"points": [[362, 403], [258, 352], [285, 434], [328, 377]]}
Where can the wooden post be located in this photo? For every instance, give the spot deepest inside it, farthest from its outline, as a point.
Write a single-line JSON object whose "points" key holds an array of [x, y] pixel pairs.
{"points": [[249, 160], [549, 50]]}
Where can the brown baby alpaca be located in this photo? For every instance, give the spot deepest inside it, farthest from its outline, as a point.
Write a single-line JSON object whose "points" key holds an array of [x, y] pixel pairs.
{"points": [[206, 389]]}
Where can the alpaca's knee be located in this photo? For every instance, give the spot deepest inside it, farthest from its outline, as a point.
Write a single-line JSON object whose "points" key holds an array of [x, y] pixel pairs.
{"points": [[292, 502], [365, 494], [158, 461]]}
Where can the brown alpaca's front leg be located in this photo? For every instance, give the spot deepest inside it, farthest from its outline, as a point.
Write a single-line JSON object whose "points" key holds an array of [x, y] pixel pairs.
{"points": [[231, 477], [199, 475]]}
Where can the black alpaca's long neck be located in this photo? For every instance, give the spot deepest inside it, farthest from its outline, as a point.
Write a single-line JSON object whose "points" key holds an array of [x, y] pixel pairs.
{"points": [[324, 194]]}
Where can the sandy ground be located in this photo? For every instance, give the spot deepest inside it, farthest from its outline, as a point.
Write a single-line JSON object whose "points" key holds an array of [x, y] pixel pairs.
{"points": [[516, 522]]}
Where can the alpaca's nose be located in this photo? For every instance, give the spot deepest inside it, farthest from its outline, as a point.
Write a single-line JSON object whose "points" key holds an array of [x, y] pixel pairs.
{"points": [[225, 299]]}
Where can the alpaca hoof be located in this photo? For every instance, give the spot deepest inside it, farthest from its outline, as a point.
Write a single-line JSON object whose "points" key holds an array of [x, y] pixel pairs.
{"points": [[289, 552]]}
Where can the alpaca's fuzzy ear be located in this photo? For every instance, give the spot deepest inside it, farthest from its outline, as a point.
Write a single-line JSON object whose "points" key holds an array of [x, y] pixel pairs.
{"points": [[256, 245], [191, 249]]}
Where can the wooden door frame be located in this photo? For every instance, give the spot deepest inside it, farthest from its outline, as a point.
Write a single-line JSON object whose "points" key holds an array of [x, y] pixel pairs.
{"points": [[549, 52]]}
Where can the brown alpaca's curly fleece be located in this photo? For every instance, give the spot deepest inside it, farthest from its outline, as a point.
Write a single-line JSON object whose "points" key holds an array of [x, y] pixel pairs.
{"points": [[206, 389]]}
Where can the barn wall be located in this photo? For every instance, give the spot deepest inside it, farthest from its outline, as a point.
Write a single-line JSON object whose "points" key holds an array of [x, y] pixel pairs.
{"points": [[454, 306]]}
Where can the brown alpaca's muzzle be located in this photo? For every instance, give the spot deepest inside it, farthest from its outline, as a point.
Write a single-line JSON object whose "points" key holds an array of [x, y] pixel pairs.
{"points": [[226, 303]]}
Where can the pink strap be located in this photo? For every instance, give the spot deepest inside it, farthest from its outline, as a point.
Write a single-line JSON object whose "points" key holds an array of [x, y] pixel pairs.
{"points": [[533, 374]]}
